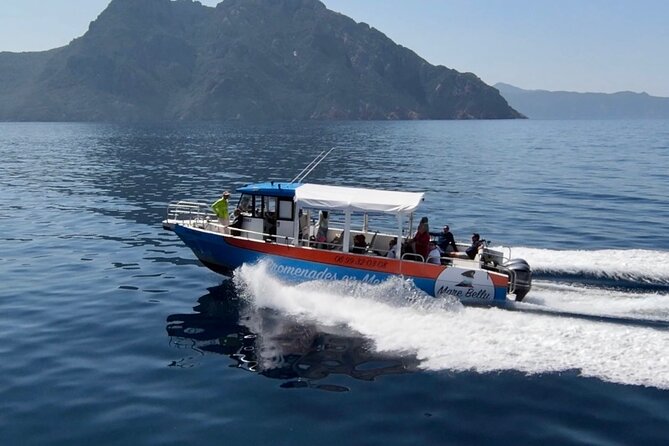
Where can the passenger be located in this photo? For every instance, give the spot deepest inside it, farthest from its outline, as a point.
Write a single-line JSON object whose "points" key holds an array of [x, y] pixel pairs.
{"points": [[423, 221], [322, 232], [391, 254], [270, 224], [236, 222], [476, 245], [420, 241], [359, 244], [446, 241], [434, 256], [303, 219], [337, 242], [220, 208]]}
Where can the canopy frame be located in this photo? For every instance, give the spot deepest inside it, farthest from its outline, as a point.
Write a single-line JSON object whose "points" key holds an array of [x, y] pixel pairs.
{"points": [[358, 200]]}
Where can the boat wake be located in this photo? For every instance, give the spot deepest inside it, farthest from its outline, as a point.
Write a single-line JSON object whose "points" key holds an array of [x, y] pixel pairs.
{"points": [[642, 270], [620, 286], [603, 304], [615, 335]]}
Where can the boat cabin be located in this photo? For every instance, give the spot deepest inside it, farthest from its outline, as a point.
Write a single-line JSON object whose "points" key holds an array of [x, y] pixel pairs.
{"points": [[267, 210], [325, 217]]}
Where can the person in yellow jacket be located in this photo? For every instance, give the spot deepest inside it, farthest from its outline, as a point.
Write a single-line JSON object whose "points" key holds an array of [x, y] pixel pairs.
{"points": [[220, 208]]}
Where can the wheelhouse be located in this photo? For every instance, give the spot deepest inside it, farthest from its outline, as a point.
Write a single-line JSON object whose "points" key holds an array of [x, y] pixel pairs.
{"points": [[268, 210]]}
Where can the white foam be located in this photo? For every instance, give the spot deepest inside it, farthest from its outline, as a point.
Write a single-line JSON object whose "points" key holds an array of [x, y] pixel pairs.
{"points": [[446, 336], [598, 302], [645, 265]]}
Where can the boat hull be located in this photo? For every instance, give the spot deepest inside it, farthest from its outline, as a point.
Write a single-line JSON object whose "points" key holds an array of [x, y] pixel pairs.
{"points": [[223, 254]]}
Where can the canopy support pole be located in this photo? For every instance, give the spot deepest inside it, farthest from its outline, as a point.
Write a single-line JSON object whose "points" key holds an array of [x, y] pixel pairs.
{"points": [[347, 231], [398, 245]]}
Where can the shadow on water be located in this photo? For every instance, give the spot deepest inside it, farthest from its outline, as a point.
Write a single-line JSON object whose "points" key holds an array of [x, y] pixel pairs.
{"points": [[264, 342]]}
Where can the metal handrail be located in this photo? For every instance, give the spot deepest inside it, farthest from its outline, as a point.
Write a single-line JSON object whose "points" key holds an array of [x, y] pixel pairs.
{"points": [[288, 240], [189, 210], [512, 278], [406, 255]]}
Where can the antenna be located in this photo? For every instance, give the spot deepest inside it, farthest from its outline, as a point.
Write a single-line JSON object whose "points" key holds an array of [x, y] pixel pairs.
{"points": [[312, 165]]}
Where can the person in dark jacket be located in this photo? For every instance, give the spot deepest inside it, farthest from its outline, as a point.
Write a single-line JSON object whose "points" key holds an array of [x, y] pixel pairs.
{"points": [[359, 244], [477, 244], [446, 241]]}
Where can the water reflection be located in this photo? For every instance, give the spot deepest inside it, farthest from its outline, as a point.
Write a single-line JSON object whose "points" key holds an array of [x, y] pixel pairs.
{"points": [[264, 342], [149, 166]]}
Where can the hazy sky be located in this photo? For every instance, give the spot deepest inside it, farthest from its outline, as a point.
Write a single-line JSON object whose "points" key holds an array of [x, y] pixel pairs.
{"points": [[574, 45]]}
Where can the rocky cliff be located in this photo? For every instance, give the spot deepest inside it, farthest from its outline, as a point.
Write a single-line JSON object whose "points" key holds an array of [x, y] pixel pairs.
{"points": [[162, 60]]}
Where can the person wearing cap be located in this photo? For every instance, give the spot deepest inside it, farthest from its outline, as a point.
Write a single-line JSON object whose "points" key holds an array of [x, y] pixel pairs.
{"points": [[220, 208], [446, 241]]}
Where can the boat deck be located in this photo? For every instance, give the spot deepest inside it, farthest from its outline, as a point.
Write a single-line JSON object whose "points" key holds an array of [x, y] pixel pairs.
{"points": [[378, 246]]}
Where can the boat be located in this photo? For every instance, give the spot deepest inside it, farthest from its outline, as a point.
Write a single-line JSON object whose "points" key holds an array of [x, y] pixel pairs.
{"points": [[276, 222]]}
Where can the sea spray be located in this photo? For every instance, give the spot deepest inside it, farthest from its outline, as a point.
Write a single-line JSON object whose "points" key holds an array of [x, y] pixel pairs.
{"points": [[479, 339], [257, 281]]}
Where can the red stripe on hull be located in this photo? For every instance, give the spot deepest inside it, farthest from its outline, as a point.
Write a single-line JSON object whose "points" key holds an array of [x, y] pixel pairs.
{"points": [[357, 261]]}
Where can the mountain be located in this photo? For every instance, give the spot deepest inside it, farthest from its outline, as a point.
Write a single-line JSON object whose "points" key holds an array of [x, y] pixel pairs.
{"points": [[542, 104], [162, 60]]}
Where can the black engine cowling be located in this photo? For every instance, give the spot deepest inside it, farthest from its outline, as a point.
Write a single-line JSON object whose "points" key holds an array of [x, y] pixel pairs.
{"points": [[523, 277]]}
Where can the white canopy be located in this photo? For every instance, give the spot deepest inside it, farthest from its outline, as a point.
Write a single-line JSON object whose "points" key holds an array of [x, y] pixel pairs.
{"points": [[317, 196]]}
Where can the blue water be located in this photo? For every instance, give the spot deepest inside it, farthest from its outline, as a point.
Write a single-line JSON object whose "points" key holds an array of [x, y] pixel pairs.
{"points": [[114, 334]]}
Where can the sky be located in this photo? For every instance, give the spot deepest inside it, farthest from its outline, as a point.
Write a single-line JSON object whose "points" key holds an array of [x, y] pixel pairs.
{"points": [[569, 45]]}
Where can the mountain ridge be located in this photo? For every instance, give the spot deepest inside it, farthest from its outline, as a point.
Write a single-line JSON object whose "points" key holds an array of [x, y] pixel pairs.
{"points": [[545, 104], [244, 59]]}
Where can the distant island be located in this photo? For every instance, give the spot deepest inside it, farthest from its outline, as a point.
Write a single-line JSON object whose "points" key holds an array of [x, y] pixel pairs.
{"points": [[162, 60], [542, 104]]}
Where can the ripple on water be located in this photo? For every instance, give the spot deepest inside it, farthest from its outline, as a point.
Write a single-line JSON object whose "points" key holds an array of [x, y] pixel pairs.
{"points": [[114, 330]]}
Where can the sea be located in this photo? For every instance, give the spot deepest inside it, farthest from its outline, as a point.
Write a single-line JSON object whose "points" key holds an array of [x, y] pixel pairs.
{"points": [[112, 333]]}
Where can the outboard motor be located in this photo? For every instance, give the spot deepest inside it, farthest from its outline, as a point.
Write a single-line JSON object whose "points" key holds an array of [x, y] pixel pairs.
{"points": [[523, 277]]}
